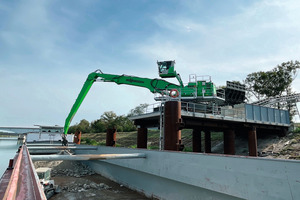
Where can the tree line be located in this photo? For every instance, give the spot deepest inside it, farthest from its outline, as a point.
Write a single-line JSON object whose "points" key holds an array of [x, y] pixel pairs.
{"points": [[274, 83], [107, 120]]}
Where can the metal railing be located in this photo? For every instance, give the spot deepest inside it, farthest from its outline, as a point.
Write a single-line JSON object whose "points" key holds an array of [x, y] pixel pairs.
{"points": [[190, 107], [235, 86], [195, 78], [274, 100], [187, 93]]}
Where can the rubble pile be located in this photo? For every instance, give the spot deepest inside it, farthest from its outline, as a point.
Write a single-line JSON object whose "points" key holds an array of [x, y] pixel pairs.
{"points": [[77, 170], [83, 187]]}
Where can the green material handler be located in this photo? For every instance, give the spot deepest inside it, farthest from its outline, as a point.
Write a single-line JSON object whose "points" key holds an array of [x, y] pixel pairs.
{"points": [[196, 90]]}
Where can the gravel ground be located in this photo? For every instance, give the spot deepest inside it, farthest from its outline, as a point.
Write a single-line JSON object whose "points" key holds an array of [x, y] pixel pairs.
{"points": [[78, 181]]}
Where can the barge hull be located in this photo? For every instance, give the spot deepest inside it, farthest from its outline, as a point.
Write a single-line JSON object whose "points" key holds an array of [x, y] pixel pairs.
{"points": [[178, 175]]}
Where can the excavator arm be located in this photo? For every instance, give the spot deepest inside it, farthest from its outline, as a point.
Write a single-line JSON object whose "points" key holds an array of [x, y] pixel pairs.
{"points": [[154, 85]]}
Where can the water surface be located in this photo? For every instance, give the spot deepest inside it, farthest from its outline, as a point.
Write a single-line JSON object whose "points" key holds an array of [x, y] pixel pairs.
{"points": [[8, 149]]}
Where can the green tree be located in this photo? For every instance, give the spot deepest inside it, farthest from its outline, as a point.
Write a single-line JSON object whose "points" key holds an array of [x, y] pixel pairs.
{"points": [[140, 109], [73, 129], [109, 119], [276, 82], [98, 126], [125, 124], [84, 126]]}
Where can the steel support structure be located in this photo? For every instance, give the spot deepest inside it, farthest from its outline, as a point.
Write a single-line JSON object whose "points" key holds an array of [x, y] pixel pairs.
{"points": [[197, 140], [207, 141], [111, 135], [142, 137], [24, 182], [77, 137], [172, 121], [252, 142], [229, 137]]}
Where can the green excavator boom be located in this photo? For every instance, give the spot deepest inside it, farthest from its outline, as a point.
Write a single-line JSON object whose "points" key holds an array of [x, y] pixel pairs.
{"points": [[154, 85], [196, 90]]}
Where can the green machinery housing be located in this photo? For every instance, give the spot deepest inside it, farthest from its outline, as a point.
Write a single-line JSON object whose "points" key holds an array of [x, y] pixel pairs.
{"points": [[195, 91]]}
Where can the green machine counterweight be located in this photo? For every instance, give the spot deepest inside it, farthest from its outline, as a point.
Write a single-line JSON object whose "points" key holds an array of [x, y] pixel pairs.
{"points": [[195, 90]]}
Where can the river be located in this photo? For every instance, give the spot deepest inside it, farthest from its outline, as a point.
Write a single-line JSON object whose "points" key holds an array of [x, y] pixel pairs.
{"points": [[8, 149]]}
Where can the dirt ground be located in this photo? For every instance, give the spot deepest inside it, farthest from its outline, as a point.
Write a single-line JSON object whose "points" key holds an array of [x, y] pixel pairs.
{"points": [[77, 181], [268, 145]]}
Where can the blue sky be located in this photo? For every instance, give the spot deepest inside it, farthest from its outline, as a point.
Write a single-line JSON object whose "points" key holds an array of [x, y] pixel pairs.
{"points": [[47, 49]]}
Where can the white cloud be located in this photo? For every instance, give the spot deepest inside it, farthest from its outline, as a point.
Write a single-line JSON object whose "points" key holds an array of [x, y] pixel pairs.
{"points": [[261, 36], [47, 54]]}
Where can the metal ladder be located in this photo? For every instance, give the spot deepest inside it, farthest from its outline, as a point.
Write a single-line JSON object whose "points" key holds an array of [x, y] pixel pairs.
{"points": [[161, 126]]}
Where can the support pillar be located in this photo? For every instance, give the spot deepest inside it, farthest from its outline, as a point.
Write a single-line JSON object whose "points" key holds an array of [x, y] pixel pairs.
{"points": [[252, 142], [77, 137], [229, 137], [172, 122], [142, 137], [207, 141], [196, 140], [111, 134], [283, 132]]}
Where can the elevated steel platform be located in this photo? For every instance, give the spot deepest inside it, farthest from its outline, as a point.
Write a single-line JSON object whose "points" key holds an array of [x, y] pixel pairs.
{"points": [[246, 115], [173, 116]]}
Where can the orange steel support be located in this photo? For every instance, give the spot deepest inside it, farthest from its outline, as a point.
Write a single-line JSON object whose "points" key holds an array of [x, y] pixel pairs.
{"points": [[229, 137], [252, 142], [172, 126], [111, 134], [196, 140], [24, 182], [142, 137], [207, 141], [77, 137]]}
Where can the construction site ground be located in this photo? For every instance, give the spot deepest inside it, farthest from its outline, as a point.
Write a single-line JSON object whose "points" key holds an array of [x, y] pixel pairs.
{"points": [[77, 181], [268, 145]]}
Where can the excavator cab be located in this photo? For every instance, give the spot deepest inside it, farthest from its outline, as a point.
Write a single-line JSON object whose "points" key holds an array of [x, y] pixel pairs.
{"points": [[166, 69]]}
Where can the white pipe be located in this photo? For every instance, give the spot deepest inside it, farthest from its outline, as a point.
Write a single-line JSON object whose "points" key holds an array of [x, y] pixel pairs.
{"points": [[87, 156], [62, 147]]}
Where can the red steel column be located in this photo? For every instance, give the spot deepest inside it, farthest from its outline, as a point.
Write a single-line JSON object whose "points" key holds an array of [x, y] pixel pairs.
{"points": [[207, 141], [142, 137], [172, 120], [229, 137], [111, 137], [252, 142], [196, 140], [77, 137]]}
